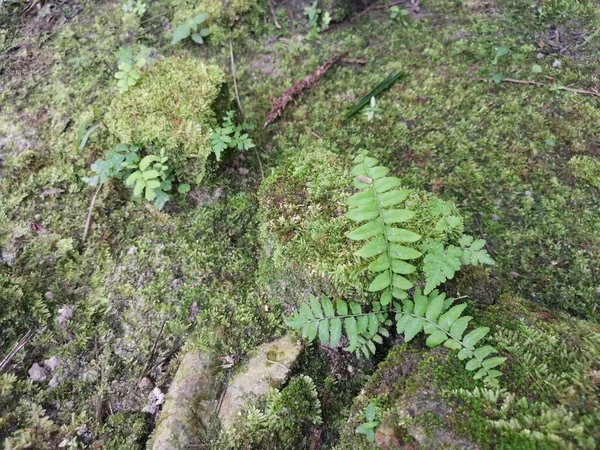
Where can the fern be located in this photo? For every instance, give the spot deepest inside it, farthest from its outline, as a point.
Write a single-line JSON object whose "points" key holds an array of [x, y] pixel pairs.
{"points": [[375, 206], [434, 315]]}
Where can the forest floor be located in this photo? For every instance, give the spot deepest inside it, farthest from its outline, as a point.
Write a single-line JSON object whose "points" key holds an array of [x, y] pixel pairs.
{"points": [[104, 320]]}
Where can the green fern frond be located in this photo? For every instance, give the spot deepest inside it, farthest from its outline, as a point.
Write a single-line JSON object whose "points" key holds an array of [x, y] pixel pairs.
{"points": [[328, 321], [434, 315], [376, 205], [444, 325]]}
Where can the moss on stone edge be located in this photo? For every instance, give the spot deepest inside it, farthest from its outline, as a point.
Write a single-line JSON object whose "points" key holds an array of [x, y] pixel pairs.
{"points": [[172, 107], [548, 395]]}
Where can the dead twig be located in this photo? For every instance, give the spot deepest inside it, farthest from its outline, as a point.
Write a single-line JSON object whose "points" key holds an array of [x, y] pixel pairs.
{"points": [[272, 8], [290, 14], [389, 5], [277, 364], [237, 95], [88, 221], [18, 346], [153, 351], [548, 86], [280, 104]]}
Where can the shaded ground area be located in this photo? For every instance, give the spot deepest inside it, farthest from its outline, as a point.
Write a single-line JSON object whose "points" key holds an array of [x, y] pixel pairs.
{"points": [[107, 317]]}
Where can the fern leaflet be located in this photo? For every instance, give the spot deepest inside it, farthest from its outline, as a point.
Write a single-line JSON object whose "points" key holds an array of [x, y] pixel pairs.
{"points": [[373, 205]]}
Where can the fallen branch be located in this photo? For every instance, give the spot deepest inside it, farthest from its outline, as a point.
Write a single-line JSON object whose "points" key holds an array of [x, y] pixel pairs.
{"points": [[273, 14], [18, 346], [548, 86], [88, 221], [293, 92]]}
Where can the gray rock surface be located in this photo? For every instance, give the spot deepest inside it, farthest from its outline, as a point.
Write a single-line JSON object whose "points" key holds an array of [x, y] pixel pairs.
{"points": [[269, 368], [188, 405]]}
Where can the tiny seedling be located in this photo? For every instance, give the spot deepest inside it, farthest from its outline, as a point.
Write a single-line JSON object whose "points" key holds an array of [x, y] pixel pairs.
{"points": [[498, 76], [229, 135], [190, 29], [536, 68], [318, 22], [397, 12], [130, 65], [137, 7], [372, 109], [368, 428]]}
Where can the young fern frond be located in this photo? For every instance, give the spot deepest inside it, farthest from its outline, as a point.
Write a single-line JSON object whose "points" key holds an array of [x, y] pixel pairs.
{"points": [[433, 315], [374, 204], [327, 320]]}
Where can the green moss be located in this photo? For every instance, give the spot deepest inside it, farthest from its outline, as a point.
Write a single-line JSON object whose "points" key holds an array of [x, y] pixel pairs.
{"points": [[171, 108], [587, 169], [546, 397], [303, 227], [277, 420]]}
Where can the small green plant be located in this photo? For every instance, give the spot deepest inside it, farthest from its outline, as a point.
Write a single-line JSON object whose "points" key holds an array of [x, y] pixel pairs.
{"points": [[397, 266], [130, 66], [368, 428], [399, 13], [500, 52], [137, 7], [151, 176], [190, 29], [318, 22], [230, 135], [372, 109], [148, 175], [536, 68]]}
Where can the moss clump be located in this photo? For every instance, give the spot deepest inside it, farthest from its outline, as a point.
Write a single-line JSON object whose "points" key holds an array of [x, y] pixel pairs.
{"points": [[279, 419], [587, 169], [303, 227], [172, 108], [126, 430]]}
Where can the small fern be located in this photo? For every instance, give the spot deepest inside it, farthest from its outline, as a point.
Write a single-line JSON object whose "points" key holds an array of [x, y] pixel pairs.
{"points": [[390, 247], [433, 314], [374, 205]]}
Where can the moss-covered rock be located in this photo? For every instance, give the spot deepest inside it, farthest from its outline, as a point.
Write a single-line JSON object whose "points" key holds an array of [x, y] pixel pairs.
{"points": [[174, 107], [548, 395], [303, 227]]}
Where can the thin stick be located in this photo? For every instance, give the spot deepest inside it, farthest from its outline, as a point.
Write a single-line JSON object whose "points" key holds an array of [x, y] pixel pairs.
{"points": [[277, 364], [88, 222], [262, 173], [558, 88], [18, 346], [162, 327], [239, 103], [237, 95], [389, 5], [290, 14], [272, 8]]}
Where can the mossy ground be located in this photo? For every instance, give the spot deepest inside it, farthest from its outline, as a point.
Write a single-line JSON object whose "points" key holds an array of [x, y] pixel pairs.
{"points": [[193, 267]]}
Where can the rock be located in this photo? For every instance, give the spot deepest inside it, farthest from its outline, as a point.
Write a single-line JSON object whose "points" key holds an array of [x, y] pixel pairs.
{"points": [[188, 404], [38, 373], [52, 363], [155, 399], [269, 368]]}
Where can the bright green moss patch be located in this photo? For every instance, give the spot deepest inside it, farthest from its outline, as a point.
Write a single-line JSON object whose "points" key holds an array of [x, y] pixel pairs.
{"points": [[172, 108], [302, 208]]}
